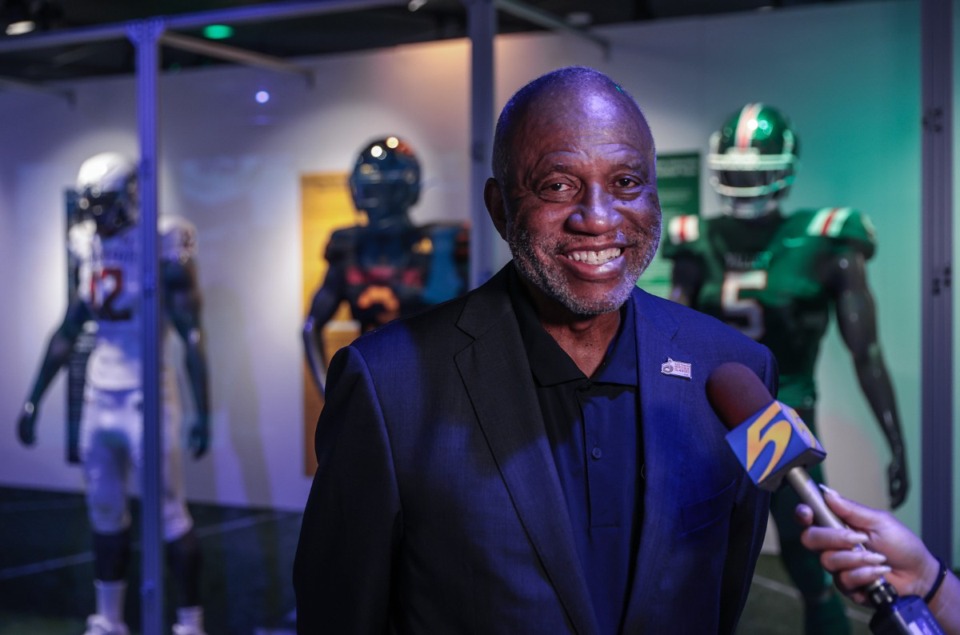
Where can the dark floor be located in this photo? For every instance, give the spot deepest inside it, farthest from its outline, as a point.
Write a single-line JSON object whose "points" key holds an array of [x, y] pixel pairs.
{"points": [[46, 568], [773, 607], [46, 572]]}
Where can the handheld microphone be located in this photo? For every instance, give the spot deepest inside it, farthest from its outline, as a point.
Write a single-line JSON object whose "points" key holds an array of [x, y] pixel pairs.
{"points": [[774, 445]]}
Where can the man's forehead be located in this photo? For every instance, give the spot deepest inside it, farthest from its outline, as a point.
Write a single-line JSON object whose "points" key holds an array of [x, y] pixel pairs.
{"points": [[601, 105], [590, 103]]}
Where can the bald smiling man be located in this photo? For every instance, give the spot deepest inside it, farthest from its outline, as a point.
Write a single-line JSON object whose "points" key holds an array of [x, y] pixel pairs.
{"points": [[539, 456]]}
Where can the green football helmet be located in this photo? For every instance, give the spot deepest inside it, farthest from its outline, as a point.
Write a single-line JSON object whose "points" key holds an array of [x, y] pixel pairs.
{"points": [[753, 160]]}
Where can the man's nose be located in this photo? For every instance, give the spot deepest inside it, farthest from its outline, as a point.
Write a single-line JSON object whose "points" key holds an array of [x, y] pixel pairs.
{"points": [[596, 212]]}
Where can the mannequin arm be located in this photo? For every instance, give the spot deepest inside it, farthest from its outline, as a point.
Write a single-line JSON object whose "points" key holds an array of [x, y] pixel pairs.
{"points": [[322, 308], [856, 318], [58, 351], [183, 304]]}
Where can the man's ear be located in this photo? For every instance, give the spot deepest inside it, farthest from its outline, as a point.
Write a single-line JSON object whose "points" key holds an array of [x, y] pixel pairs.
{"points": [[493, 199]]}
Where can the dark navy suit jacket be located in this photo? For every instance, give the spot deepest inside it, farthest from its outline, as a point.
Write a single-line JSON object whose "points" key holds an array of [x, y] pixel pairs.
{"points": [[436, 507]]}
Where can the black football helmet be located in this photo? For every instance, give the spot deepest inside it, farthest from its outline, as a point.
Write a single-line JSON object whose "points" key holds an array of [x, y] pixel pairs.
{"points": [[385, 181]]}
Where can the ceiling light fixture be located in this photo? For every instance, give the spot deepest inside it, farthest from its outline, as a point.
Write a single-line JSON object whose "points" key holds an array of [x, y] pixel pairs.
{"points": [[16, 17], [20, 27], [217, 31]]}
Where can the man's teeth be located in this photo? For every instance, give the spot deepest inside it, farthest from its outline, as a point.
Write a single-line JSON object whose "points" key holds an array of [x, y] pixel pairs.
{"points": [[595, 257]]}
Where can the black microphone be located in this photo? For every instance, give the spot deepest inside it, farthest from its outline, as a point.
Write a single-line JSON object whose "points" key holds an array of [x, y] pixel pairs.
{"points": [[773, 444]]}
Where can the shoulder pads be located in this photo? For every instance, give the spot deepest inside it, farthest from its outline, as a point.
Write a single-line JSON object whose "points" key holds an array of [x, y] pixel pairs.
{"points": [[341, 244], [80, 239], [178, 239], [682, 232], [844, 224]]}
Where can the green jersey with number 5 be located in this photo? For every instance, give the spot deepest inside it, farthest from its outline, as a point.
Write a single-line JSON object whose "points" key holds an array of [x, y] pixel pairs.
{"points": [[769, 277]]}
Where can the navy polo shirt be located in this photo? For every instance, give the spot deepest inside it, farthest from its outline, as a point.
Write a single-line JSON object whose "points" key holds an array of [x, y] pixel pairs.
{"points": [[593, 424]]}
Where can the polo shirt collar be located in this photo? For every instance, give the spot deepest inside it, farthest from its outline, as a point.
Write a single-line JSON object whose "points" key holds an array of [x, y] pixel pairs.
{"points": [[550, 363]]}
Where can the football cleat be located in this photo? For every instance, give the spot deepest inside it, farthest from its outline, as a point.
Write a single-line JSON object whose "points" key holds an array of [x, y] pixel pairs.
{"points": [[99, 625]]}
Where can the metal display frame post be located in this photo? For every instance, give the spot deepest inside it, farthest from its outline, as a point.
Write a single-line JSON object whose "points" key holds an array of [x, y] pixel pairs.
{"points": [[482, 26], [936, 35], [145, 36]]}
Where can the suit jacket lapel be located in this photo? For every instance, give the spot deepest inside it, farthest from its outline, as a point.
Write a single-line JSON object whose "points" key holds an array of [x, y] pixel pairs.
{"points": [[501, 389], [661, 401]]}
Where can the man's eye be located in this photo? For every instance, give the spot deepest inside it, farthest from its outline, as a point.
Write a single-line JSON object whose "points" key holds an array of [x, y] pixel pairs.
{"points": [[627, 181], [556, 190]]}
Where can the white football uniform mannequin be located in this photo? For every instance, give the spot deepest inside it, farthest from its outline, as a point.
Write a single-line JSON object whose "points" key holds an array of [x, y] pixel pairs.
{"points": [[111, 428]]}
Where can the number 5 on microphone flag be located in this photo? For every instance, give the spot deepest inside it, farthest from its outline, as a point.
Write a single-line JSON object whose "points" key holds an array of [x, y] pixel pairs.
{"points": [[772, 442]]}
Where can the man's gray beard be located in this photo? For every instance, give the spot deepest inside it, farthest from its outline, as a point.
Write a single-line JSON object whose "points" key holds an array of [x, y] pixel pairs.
{"points": [[552, 283]]}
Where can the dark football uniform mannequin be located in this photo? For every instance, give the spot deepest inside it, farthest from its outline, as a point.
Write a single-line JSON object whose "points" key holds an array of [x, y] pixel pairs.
{"points": [[387, 267]]}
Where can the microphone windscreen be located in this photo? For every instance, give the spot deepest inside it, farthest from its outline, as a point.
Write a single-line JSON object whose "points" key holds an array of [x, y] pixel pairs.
{"points": [[736, 393]]}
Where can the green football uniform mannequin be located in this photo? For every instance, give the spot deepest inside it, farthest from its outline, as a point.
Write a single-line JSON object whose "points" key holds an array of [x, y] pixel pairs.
{"points": [[778, 278]]}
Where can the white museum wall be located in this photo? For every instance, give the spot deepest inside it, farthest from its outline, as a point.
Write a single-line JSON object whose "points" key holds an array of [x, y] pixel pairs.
{"points": [[848, 76]]}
